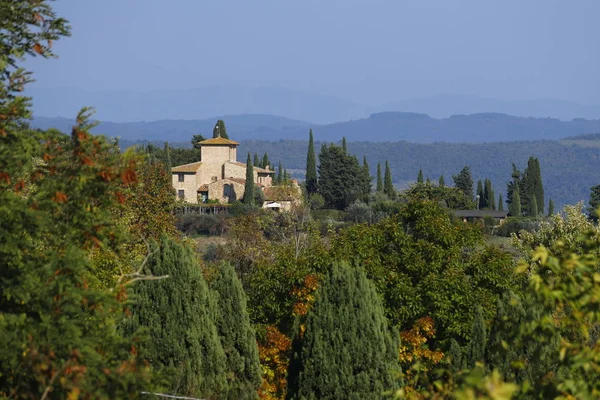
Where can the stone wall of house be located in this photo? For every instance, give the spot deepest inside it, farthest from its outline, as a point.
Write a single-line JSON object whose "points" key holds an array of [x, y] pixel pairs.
{"points": [[189, 186], [217, 191], [234, 170], [218, 154]]}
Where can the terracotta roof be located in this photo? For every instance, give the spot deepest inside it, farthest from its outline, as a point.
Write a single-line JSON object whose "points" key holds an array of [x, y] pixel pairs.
{"points": [[193, 167], [242, 181], [203, 188], [281, 193], [218, 141], [257, 169]]}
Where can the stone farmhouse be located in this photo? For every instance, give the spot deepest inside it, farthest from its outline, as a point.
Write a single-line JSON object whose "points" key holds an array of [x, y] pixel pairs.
{"points": [[218, 175]]}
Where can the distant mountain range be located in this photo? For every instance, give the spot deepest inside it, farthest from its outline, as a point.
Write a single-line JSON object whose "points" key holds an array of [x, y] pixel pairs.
{"points": [[380, 127], [208, 101]]}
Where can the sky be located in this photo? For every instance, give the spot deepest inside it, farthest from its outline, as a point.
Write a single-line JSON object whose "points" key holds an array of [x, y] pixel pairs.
{"points": [[366, 51]]}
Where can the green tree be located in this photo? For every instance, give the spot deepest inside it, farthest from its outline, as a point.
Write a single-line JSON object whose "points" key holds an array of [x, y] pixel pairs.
{"points": [[500, 203], [476, 347], [347, 350], [280, 177], [311, 166], [515, 205], [180, 306], [220, 130], [265, 161], [167, 151], [341, 178], [534, 208], [420, 176], [550, 208], [480, 195], [441, 181], [488, 194], [256, 161], [344, 145], [196, 139], [388, 186], [464, 181], [237, 336], [379, 187], [594, 202], [248, 198], [366, 179]]}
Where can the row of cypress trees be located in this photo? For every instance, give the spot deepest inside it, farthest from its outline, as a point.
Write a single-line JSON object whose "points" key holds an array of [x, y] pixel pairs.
{"points": [[198, 334]]}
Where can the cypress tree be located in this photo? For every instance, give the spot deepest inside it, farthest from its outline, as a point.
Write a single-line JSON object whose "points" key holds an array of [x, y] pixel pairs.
{"points": [[420, 176], [476, 347], [441, 181], [428, 181], [539, 187], [500, 203], [388, 187], [488, 194], [366, 180], [237, 336], [179, 313], [480, 195], [455, 356], [219, 130], [249, 186], [255, 161], [286, 176], [280, 174], [515, 206], [265, 161], [311, 166], [379, 179], [534, 208], [167, 151], [550, 208], [348, 351], [344, 145], [464, 182]]}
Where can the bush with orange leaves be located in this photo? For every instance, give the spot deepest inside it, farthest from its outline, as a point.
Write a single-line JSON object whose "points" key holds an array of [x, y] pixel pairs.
{"points": [[274, 353]]}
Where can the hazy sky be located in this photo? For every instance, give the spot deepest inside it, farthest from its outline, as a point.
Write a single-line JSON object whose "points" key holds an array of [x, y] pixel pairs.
{"points": [[369, 51]]}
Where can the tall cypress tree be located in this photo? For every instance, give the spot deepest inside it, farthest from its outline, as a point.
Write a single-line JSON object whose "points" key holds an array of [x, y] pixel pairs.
{"points": [[265, 161], [256, 161], [441, 181], [515, 206], [379, 187], [500, 203], [455, 356], [388, 187], [488, 194], [550, 208], [344, 145], [539, 187], [476, 347], [420, 176], [534, 212], [366, 179], [179, 313], [167, 151], [279, 174], [480, 195], [249, 186], [219, 130], [311, 166], [237, 336], [347, 351]]}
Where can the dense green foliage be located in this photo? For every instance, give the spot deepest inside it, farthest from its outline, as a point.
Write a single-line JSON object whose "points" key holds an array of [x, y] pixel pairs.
{"points": [[594, 202], [220, 130], [388, 186], [347, 348], [379, 186], [179, 306], [237, 336], [464, 182], [248, 198], [311, 167]]}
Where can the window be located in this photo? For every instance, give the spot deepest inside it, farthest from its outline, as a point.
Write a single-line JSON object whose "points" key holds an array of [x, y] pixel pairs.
{"points": [[181, 177], [181, 194]]}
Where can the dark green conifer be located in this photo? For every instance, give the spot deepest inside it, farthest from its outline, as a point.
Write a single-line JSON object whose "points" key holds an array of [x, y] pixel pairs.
{"points": [[167, 151], [476, 347], [379, 187], [256, 161], [388, 186], [196, 139], [265, 161], [441, 181], [237, 336], [464, 182], [455, 356], [428, 181], [179, 314], [594, 202], [515, 206], [248, 198], [550, 208], [219, 130], [534, 208], [348, 351], [480, 195], [344, 145], [311, 166], [420, 176], [500, 203], [279, 174]]}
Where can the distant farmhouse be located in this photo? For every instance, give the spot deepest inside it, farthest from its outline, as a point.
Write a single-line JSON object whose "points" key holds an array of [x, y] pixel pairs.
{"points": [[219, 176]]}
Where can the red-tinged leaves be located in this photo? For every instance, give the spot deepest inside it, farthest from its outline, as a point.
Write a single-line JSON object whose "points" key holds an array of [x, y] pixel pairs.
{"points": [[120, 197], [19, 186], [5, 177], [38, 48], [129, 176], [59, 197]]}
